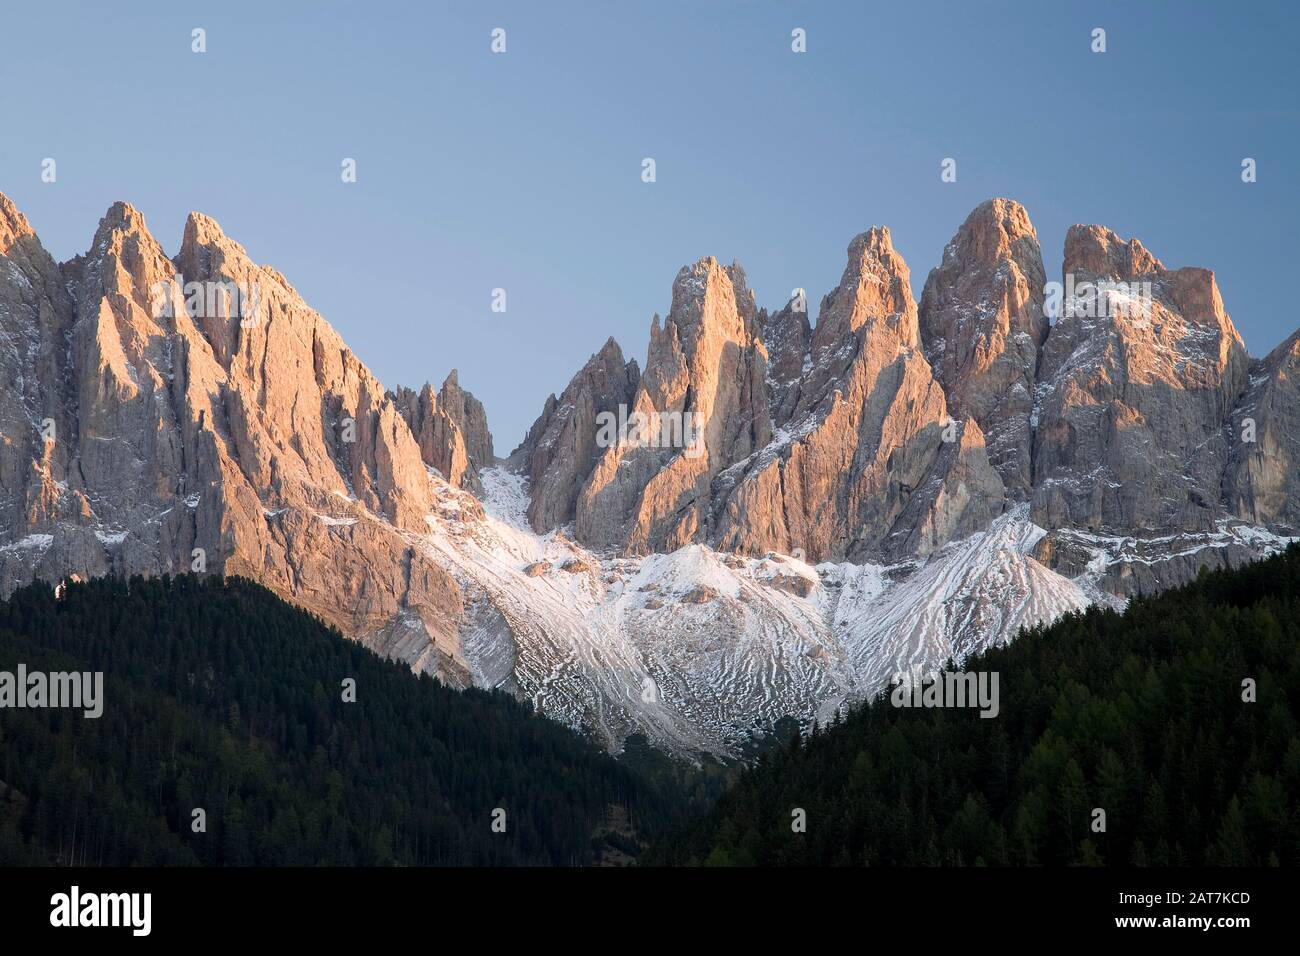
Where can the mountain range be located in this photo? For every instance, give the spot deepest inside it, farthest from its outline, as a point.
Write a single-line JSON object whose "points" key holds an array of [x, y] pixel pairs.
{"points": [[893, 486]]}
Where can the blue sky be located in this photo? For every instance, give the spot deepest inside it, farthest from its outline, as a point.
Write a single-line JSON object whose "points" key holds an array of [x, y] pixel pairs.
{"points": [[523, 170]]}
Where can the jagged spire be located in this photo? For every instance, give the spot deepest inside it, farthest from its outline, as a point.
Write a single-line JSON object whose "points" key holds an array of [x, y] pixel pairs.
{"points": [[13, 224]]}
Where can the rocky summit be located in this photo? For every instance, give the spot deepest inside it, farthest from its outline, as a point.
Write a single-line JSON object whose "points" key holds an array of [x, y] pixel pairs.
{"points": [[769, 518]]}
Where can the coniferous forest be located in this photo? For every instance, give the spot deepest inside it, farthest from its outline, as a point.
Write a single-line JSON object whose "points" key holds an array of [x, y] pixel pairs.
{"points": [[1177, 718], [219, 696], [1139, 714]]}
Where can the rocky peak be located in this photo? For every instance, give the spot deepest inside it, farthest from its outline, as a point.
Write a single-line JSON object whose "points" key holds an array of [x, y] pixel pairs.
{"points": [[36, 316], [201, 231], [13, 225], [992, 232], [183, 432], [709, 325], [862, 447], [1135, 382], [1097, 251], [30, 274], [703, 400], [450, 427], [121, 215], [982, 323], [469, 415], [876, 286], [710, 300], [123, 259], [1154, 303], [561, 447], [440, 439]]}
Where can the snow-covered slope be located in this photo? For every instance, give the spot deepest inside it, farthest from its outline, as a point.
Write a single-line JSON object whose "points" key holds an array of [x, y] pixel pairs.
{"points": [[700, 649]]}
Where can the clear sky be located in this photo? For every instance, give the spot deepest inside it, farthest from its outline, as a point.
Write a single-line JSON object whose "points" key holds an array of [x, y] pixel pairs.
{"points": [[522, 170]]}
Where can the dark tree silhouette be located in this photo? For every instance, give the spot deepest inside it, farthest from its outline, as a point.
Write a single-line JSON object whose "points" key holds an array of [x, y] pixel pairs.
{"points": [[220, 696]]}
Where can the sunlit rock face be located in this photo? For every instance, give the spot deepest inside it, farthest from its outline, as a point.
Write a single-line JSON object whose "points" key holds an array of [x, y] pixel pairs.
{"points": [[983, 324], [183, 434]]}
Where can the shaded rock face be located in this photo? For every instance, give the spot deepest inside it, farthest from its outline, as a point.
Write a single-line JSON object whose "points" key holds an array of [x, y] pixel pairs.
{"points": [[982, 325], [786, 335], [468, 414], [1262, 480], [1135, 385], [187, 429], [442, 443], [561, 447], [36, 319]]}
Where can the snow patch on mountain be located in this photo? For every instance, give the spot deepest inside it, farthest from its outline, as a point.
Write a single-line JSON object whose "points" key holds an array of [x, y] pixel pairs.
{"points": [[699, 649]]}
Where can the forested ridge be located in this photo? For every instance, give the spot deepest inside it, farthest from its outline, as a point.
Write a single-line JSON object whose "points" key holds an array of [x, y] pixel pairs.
{"points": [[220, 696], [1140, 715]]}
